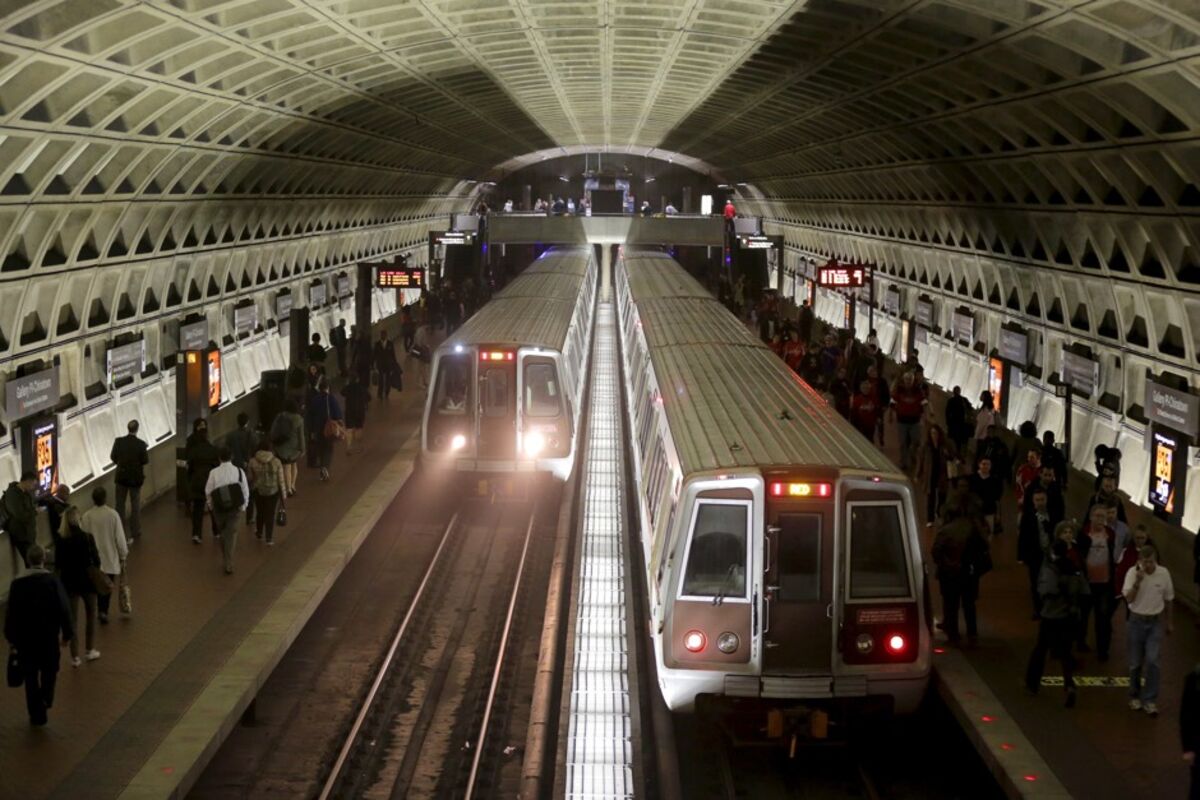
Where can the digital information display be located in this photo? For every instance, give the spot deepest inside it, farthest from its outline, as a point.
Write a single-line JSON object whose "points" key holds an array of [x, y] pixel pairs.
{"points": [[452, 238], [400, 277], [842, 277], [214, 378], [45, 456], [1168, 475], [756, 241]]}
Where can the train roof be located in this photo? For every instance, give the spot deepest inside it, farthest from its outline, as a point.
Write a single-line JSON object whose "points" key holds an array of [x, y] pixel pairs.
{"points": [[656, 274], [731, 402]]}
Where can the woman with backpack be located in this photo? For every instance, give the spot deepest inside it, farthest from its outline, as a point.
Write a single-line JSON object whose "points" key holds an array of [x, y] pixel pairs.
{"points": [[266, 483], [287, 438]]}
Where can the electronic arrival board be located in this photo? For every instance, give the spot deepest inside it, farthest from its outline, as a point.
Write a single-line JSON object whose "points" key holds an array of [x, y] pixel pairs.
{"points": [[400, 277], [842, 277]]}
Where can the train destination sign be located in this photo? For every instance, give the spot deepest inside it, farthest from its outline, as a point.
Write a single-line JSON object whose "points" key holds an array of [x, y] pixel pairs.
{"points": [[1014, 347], [842, 277], [1172, 408], [400, 277], [29, 394]]}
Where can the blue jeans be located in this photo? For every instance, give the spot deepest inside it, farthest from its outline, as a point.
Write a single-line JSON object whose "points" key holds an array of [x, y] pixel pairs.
{"points": [[1145, 635]]}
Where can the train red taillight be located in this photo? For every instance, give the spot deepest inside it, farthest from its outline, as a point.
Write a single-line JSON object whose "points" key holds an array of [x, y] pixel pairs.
{"points": [[896, 644], [694, 641]]}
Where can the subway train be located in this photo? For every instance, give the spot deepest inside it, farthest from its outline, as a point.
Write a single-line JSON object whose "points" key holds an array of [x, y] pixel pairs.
{"points": [[781, 548], [505, 389]]}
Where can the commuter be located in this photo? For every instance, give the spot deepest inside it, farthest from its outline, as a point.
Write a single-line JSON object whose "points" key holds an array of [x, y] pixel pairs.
{"points": [[355, 397], [936, 462], [408, 328], [730, 214], [508, 206], [288, 438], [1106, 493], [339, 340], [362, 358], [958, 552], [1108, 462], [985, 417], [37, 614], [1061, 590], [571, 206], [883, 397], [865, 410], [201, 457], [130, 455], [228, 496], [386, 365], [1128, 556], [453, 308], [1026, 440], [75, 559], [56, 505], [241, 443], [646, 210], [104, 524], [1098, 549], [986, 485], [840, 390], [1053, 457], [958, 415], [1189, 728], [1057, 505], [265, 473], [1150, 593], [1028, 473], [793, 351], [993, 447], [805, 322], [907, 408], [1034, 538], [325, 425], [316, 352], [20, 513], [670, 210]]}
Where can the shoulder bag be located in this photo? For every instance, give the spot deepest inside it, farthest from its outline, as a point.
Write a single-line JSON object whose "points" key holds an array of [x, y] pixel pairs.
{"points": [[334, 429], [281, 513]]}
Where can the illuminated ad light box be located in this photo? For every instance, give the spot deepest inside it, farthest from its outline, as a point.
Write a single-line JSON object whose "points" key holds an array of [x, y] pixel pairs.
{"points": [[214, 378], [1168, 475]]}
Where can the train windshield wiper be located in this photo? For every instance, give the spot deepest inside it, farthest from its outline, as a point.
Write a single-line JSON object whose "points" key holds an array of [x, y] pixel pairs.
{"points": [[720, 597]]}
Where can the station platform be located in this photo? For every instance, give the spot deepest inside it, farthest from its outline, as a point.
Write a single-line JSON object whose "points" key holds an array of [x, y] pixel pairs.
{"points": [[1034, 745], [177, 675]]}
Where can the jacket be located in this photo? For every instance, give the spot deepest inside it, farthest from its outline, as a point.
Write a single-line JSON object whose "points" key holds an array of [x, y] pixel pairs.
{"points": [[104, 524], [988, 491], [356, 397], [201, 458], [21, 513], [36, 616], [322, 406], [130, 455], [74, 555], [1062, 591], [956, 548], [241, 445], [287, 436], [1055, 503], [266, 473], [1029, 544]]}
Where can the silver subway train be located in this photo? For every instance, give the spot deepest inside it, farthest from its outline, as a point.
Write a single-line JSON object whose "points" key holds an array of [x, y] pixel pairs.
{"points": [[505, 389], [781, 547]]}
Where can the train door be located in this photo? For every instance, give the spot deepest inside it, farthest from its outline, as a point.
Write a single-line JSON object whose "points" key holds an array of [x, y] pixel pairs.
{"points": [[798, 579], [497, 418]]}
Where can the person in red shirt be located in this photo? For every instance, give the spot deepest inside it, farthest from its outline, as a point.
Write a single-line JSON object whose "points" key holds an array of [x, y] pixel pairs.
{"points": [[776, 345], [908, 406], [864, 409], [793, 351], [1027, 473], [1129, 557], [730, 211], [1097, 545]]}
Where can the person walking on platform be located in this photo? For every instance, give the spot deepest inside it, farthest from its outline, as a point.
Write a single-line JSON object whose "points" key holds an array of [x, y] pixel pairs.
{"points": [[385, 364], [75, 557], [104, 524], [908, 408], [408, 328], [1061, 590], [805, 322], [957, 552], [201, 457], [325, 424], [1034, 538], [288, 438], [266, 481], [1053, 458], [130, 455], [1048, 480], [355, 397], [339, 340], [56, 506], [20, 513], [315, 353], [864, 410], [985, 417], [1150, 593], [241, 442], [1189, 728], [985, 485], [361, 358], [228, 496], [1128, 556], [36, 616], [958, 426], [1099, 550], [936, 461]]}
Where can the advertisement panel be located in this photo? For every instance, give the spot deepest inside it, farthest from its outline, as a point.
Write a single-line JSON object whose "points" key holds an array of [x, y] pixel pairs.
{"points": [[1168, 475], [996, 386], [45, 456], [214, 378]]}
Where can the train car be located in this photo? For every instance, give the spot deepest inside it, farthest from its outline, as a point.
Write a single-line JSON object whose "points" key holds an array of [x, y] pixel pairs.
{"points": [[505, 389], [781, 548]]}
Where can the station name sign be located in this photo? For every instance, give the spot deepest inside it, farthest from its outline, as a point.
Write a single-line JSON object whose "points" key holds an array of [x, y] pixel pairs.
{"points": [[317, 295], [245, 319], [343, 286], [1172, 408], [30, 394], [891, 301], [400, 277], [842, 277]]}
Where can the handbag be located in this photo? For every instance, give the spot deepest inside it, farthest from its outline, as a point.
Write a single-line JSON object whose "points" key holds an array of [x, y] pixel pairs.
{"points": [[100, 581], [126, 598], [281, 514], [334, 429], [16, 676]]}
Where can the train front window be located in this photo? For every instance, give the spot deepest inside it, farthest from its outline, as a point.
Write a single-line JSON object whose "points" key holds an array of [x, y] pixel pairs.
{"points": [[543, 397], [450, 394], [716, 561], [878, 558], [799, 557], [495, 395]]}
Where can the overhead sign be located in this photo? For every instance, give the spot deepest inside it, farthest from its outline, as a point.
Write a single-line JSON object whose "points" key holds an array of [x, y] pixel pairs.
{"points": [[30, 394], [125, 361], [1171, 408], [452, 238], [964, 328], [1079, 372], [245, 319], [1014, 347], [343, 286], [1168, 475], [756, 241], [317, 294], [891, 301], [925, 313], [842, 277], [400, 277], [194, 335]]}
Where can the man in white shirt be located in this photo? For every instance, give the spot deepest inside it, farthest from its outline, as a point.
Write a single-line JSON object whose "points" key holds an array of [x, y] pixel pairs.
{"points": [[227, 494], [104, 524], [1149, 592]]}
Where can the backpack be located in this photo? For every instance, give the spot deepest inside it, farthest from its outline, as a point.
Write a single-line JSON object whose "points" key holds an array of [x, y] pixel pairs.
{"points": [[266, 476], [281, 430], [229, 497]]}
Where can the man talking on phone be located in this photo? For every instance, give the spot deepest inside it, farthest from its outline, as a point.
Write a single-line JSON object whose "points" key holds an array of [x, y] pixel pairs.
{"points": [[1149, 592]]}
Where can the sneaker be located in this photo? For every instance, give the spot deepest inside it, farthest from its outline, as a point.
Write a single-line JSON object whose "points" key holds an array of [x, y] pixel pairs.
{"points": [[270, 542], [195, 540], [92, 655], [75, 662], [1135, 705], [1151, 709], [229, 570]]}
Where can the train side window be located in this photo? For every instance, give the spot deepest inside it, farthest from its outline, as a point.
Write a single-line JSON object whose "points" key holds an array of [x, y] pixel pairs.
{"points": [[717, 553], [495, 402], [799, 557], [450, 395], [542, 395], [878, 556]]}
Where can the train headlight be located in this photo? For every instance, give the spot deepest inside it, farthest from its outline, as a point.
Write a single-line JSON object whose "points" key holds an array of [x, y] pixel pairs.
{"points": [[728, 642], [865, 643], [458, 442], [896, 644], [694, 641], [535, 443]]}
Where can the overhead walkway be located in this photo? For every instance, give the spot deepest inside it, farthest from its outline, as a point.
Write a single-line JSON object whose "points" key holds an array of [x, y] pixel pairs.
{"points": [[618, 229]]}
